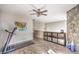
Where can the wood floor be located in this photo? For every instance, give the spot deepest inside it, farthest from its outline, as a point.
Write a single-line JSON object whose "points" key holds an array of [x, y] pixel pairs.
{"points": [[41, 46]]}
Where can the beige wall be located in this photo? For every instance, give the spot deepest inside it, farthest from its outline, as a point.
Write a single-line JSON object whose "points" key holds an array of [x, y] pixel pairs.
{"points": [[40, 27], [56, 26], [37, 25], [7, 22]]}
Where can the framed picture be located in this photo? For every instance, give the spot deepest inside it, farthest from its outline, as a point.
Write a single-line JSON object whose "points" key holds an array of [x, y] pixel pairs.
{"points": [[21, 26]]}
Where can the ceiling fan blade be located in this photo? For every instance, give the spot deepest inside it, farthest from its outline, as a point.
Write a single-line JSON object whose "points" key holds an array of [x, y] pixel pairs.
{"points": [[33, 6], [33, 14], [44, 11], [34, 10], [44, 14]]}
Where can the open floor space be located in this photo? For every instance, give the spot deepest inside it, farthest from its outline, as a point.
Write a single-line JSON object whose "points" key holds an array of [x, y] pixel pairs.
{"points": [[41, 46]]}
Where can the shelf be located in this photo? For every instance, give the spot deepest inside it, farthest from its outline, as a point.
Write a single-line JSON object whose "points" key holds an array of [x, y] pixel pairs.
{"points": [[55, 37]]}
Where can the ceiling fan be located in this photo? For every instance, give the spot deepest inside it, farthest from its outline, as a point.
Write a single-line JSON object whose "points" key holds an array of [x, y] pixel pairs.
{"points": [[38, 11]]}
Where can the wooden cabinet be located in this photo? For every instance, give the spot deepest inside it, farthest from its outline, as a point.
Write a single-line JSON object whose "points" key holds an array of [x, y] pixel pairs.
{"points": [[55, 37]]}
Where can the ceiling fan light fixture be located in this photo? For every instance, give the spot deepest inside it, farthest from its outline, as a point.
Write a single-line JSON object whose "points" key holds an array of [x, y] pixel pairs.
{"points": [[38, 12]]}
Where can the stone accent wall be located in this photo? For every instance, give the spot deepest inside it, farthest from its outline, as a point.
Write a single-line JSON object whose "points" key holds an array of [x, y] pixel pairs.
{"points": [[73, 25]]}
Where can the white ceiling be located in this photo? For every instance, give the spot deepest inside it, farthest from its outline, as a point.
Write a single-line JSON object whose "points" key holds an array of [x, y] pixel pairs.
{"points": [[56, 12]]}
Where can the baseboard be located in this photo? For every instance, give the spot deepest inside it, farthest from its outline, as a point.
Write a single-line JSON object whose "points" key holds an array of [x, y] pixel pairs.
{"points": [[18, 46], [38, 38], [23, 44]]}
